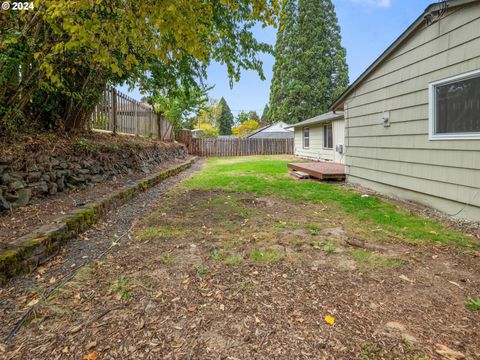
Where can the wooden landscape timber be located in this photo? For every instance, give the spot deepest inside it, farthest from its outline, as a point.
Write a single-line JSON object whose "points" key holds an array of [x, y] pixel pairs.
{"points": [[27, 252]]}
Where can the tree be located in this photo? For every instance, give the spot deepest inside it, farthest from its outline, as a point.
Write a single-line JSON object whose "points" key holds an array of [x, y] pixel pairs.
{"points": [[266, 114], [252, 115], [245, 128], [56, 61], [225, 119], [242, 117], [310, 69]]}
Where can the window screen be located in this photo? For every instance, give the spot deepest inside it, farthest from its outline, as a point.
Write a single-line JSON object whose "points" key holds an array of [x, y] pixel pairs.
{"points": [[306, 137], [457, 106], [327, 136]]}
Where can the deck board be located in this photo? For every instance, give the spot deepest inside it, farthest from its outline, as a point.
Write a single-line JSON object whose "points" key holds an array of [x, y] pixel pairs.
{"points": [[321, 170]]}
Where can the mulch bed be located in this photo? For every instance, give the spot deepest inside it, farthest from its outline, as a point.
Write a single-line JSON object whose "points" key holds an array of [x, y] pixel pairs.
{"points": [[169, 293]]}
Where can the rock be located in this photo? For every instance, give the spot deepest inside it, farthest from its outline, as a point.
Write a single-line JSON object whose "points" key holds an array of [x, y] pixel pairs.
{"points": [[60, 183], [41, 187], [448, 353], [34, 176], [399, 331], [24, 196], [54, 161], [64, 165], [74, 180], [5, 160], [83, 171], [4, 204], [6, 178], [46, 177], [52, 188], [10, 197], [16, 185], [97, 178], [3, 168], [43, 159]]}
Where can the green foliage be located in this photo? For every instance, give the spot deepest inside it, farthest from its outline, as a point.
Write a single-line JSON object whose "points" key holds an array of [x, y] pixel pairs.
{"points": [[242, 117], [310, 69], [267, 256], [55, 61], [269, 176], [245, 128], [266, 115], [209, 131], [473, 304], [225, 119]]}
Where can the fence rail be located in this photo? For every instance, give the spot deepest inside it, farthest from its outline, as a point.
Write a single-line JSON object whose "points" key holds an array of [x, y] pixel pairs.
{"points": [[119, 113], [235, 147]]}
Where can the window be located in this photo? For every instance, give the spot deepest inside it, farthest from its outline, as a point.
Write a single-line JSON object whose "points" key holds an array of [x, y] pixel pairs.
{"points": [[455, 107], [306, 138], [328, 136]]}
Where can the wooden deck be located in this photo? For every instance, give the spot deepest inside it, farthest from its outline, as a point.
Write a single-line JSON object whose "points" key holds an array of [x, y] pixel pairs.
{"points": [[321, 170]]}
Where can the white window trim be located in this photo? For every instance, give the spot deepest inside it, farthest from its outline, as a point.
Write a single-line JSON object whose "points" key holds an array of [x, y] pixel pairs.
{"points": [[323, 140], [431, 109], [303, 137]]}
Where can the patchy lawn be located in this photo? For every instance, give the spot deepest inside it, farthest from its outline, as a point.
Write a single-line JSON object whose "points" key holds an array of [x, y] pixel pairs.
{"points": [[244, 262]]}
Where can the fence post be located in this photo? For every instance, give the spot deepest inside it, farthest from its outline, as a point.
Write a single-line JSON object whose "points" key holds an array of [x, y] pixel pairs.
{"points": [[114, 110]]}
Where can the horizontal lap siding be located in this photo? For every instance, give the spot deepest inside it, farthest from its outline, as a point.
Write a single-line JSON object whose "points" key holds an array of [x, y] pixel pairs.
{"points": [[315, 150], [401, 155]]}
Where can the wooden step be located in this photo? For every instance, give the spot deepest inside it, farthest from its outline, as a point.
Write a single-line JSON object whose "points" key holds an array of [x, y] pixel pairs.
{"points": [[300, 174]]}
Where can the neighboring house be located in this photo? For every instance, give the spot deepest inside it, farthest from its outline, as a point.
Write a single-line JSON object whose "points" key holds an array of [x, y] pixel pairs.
{"points": [[413, 117], [321, 138], [279, 130], [197, 133]]}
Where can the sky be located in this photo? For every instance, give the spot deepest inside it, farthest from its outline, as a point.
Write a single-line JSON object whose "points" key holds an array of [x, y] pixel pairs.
{"points": [[368, 27]]}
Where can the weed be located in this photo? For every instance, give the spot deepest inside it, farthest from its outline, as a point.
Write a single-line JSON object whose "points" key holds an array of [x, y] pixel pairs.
{"points": [[329, 248], [268, 256], [233, 260], [313, 230], [202, 270], [120, 288], [370, 351], [84, 145], [158, 233], [367, 260], [473, 304], [218, 255], [318, 244], [168, 259]]}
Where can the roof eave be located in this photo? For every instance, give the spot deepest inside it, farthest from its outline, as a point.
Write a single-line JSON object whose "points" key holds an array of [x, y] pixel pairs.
{"points": [[338, 104]]}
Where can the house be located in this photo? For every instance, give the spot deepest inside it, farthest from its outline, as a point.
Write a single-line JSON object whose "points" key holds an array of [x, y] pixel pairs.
{"points": [[279, 130], [321, 138], [412, 119], [197, 133]]}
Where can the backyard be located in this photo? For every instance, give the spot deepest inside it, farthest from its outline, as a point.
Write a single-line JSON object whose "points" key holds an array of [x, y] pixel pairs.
{"points": [[242, 261]]}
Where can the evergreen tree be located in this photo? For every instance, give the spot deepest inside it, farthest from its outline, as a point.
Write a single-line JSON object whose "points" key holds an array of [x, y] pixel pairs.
{"points": [[310, 69], [265, 115], [252, 115], [225, 119]]}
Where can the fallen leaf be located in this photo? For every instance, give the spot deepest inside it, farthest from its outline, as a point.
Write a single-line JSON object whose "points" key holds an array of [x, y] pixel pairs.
{"points": [[454, 283], [257, 320], [330, 319], [91, 345], [222, 307], [433, 232], [91, 356], [52, 280], [33, 302], [403, 277], [448, 353]]}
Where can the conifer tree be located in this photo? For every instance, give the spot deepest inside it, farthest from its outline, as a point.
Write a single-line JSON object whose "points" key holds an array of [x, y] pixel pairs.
{"points": [[225, 119], [310, 69], [265, 115]]}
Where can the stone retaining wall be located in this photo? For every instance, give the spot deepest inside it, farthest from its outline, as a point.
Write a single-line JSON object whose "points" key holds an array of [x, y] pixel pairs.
{"points": [[43, 175]]}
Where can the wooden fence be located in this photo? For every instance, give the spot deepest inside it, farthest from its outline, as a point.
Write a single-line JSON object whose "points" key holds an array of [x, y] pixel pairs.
{"points": [[235, 147], [119, 113]]}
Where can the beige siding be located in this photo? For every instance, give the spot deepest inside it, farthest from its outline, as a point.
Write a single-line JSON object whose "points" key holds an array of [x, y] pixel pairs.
{"points": [[316, 151], [401, 155]]}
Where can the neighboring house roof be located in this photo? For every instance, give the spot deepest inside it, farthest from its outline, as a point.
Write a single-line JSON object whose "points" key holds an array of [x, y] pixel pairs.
{"points": [[330, 116], [273, 135], [280, 128], [432, 9]]}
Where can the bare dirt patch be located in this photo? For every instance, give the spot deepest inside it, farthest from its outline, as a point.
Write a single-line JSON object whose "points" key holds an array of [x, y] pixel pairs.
{"points": [[211, 275]]}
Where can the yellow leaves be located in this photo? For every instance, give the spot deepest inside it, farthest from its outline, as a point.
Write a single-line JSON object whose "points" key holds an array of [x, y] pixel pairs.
{"points": [[91, 356], [330, 320], [33, 302]]}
